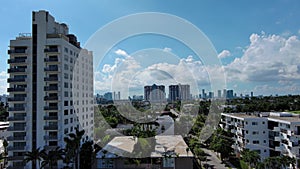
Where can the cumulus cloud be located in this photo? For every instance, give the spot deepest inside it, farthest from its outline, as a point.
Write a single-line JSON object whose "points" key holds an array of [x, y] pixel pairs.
{"points": [[224, 54], [121, 53], [267, 58]]}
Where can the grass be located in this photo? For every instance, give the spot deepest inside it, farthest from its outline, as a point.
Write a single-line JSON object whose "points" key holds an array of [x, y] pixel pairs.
{"points": [[296, 111]]}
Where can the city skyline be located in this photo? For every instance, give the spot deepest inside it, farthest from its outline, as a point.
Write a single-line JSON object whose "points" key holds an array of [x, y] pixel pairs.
{"points": [[259, 55]]}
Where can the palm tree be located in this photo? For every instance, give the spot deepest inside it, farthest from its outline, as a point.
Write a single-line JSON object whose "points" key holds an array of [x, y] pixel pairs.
{"points": [[52, 157], [5, 145], [34, 155], [73, 145]]}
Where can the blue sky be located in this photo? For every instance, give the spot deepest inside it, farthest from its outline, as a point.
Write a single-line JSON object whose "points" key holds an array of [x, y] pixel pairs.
{"points": [[257, 41]]}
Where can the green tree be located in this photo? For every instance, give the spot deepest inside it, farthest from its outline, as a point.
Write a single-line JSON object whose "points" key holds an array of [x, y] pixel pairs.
{"points": [[251, 157]]}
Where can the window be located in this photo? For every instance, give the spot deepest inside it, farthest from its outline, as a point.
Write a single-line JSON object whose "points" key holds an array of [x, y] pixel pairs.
{"points": [[66, 130], [66, 94], [66, 85], [255, 132], [66, 112], [66, 75], [254, 123], [66, 103], [66, 67], [66, 50], [105, 163], [263, 122], [255, 142], [66, 121], [265, 141]]}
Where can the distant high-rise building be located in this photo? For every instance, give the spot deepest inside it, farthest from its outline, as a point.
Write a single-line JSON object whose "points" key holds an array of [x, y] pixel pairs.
{"points": [[224, 93], [219, 93], [203, 94], [108, 96], [251, 94], [155, 93], [210, 95], [42, 89], [229, 94], [179, 92]]}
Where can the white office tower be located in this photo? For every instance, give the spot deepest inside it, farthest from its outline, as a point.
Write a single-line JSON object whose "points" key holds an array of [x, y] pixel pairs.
{"points": [[50, 89]]}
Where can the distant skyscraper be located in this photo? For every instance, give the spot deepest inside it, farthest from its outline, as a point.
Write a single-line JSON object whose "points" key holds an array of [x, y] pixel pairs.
{"points": [[155, 93], [219, 93], [179, 92], [251, 94], [108, 96], [224, 93], [203, 94], [43, 86], [229, 94], [211, 95]]}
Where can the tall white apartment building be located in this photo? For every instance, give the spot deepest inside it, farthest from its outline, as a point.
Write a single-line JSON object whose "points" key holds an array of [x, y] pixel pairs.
{"points": [[270, 134], [50, 89]]}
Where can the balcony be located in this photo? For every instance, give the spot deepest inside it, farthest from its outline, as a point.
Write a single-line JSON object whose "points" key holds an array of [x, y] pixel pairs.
{"points": [[51, 108], [16, 118], [50, 147], [16, 70], [47, 137], [15, 158], [50, 79], [51, 69], [16, 128], [277, 138], [19, 89], [51, 127], [10, 61], [17, 51], [50, 117], [12, 148], [51, 50], [51, 60], [16, 99], [50, 98], [13, 138], [16, 109], [10, 80], [50, 88]]}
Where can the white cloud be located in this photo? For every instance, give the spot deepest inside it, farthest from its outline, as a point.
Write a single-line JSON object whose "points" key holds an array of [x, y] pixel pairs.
{"points": [[224, 54], [166, 49], [3, 82], [121, 53], [267, 58]]}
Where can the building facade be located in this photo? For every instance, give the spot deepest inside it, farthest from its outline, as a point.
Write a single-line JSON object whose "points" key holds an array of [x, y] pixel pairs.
{"points": [[270, 134], [179, 92], [50, 89], [155, 93]]}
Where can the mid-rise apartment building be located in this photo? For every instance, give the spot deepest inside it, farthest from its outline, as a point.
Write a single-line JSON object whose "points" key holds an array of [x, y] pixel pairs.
{"points": [[50, 89], [179, 92], [270, 133], [155, 93]]}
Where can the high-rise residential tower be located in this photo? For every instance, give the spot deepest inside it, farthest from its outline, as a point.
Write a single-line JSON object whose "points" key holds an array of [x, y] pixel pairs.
{"points": [[50, 89]]}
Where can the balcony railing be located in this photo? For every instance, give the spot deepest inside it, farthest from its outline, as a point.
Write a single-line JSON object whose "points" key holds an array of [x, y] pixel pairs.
{"points": [[51, 59], [17, 51], [50, 88], [16, 128], [16, 109], [17, 158], [9, 61], [16, 118], [51, 108], [50, 98], [50, 117], [10, 148], [50, 79], [48, 50], [9, 80], [51, 127], [16, 70], [12, 89], [18, 138], [50, 69], [47, 137], [12, 99]]}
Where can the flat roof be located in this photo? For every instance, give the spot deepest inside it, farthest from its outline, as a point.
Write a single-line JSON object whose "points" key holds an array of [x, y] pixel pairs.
{"points": [[294, 118], [287, 119], [122, 145]]}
